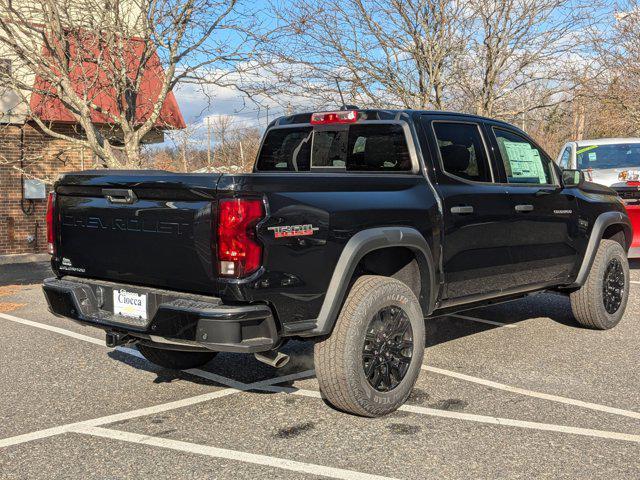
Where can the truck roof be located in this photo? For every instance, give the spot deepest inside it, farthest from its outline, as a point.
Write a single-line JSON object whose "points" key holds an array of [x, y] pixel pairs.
{"points": [[384, 114], [606, 141]]}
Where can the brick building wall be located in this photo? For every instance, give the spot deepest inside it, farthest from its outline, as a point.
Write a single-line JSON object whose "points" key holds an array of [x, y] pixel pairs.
{"points": [[24, 230]]}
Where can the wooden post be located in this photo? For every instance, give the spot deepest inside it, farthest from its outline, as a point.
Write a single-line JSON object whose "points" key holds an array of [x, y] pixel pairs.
{"points": [[185, 166]]}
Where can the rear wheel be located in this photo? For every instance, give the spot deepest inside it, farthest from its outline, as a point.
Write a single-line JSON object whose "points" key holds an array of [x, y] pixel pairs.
{"points": [[173, 359], [371, 361], [601, 301]]}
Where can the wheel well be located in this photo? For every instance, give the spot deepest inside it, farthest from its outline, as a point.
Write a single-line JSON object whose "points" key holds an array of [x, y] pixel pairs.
{"points": [[618, 233], [402, 264]]}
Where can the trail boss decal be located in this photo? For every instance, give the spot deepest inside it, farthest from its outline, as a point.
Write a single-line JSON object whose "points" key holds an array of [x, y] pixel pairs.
{"points": [[293, 230]]}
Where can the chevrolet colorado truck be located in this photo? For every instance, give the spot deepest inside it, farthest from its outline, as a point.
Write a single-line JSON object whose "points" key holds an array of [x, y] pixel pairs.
{"points": [[354, 227]]}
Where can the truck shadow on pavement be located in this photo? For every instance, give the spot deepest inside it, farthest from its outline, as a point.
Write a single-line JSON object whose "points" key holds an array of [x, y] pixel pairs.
{"points": [[24, 273], [234, 366], [246, 369], [550, 305]]}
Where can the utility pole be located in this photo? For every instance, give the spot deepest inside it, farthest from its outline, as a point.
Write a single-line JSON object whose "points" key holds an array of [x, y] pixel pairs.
{"points": [[578, 120], [208, 144]]}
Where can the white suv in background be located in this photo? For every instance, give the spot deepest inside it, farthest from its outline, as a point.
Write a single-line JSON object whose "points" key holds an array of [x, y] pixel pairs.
{"points": [[614, 162]]}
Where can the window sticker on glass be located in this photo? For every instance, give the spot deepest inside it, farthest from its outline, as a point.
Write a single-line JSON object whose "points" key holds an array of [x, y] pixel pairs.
{"points": [[593, 157], [525, 162]]}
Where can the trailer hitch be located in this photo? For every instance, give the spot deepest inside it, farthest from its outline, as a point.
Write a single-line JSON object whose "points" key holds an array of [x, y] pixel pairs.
{"points": [[115, 339]]}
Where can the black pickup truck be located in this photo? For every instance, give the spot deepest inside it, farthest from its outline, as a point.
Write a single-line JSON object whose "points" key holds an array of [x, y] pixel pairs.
{"points": [[354, 227]]}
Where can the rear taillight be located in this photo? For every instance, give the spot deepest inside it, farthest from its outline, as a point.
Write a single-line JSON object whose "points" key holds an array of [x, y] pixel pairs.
{"points": [[238, 250], [343, 116], [51, 206]]}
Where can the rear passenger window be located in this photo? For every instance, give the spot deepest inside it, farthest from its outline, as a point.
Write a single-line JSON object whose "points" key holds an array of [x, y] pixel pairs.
{"points": [[286, 149], [462, 151], [523, 162], [378, 148], [353, 148]]}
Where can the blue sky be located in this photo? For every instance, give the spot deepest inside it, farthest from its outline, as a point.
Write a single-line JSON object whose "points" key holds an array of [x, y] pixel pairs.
{"points": [[196, 106]]}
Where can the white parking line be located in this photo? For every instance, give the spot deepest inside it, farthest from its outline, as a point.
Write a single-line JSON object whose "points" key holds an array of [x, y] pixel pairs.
{"points": [[482, 320], [49, 432], [51, 328], [531, 393], [141, 412], [635, 281], [268, 385], [264, 460], [588, 432], [509, 422]]}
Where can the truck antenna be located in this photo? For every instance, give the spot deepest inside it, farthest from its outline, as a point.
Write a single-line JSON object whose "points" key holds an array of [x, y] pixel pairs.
{"points": [[343, 106]]}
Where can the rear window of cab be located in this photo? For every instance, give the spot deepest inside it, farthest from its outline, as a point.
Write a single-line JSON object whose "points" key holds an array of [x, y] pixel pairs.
{"points": [[355, 148]]}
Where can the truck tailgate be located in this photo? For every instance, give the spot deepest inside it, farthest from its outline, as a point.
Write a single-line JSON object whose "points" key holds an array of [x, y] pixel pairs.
{"points": [[151, 228]]}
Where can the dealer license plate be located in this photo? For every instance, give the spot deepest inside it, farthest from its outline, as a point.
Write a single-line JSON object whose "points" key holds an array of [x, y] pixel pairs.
{"points": [[130, 304]]}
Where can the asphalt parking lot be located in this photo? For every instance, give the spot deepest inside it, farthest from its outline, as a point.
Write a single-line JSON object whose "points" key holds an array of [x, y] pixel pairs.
{"points": [[516, 390]]}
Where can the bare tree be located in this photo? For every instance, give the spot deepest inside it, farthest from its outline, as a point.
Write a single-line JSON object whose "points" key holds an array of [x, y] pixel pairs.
{"points": [[236, 146], [504, 58], [111, 65], [381, 52], [618, 50], [522, 50]]}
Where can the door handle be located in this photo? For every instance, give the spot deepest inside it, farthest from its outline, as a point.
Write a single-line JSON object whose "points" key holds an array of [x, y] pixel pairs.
{"points": [[462, 209], [524, 208]]}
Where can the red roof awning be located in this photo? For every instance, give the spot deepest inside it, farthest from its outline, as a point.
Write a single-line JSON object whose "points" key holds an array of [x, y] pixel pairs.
{"points": [[93, 81]]}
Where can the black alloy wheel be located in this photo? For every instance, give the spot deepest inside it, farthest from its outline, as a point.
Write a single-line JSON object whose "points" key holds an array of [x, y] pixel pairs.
{"points": [[388, 347], [613, 286]]}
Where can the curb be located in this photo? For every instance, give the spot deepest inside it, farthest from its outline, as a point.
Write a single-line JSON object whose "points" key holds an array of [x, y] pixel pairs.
{"points": [[24, 258]]}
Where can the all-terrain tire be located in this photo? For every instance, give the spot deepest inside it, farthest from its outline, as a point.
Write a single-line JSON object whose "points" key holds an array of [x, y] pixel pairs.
{"points": [[173, 359], [588, 303], [339, 357]]}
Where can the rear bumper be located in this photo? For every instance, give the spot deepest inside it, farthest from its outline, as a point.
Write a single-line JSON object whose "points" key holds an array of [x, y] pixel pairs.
{"points": [[174, 320]]}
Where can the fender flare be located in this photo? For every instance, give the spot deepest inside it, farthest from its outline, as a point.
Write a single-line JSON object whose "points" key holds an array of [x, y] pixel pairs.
{"points": [[356, 248], [603, 221]]}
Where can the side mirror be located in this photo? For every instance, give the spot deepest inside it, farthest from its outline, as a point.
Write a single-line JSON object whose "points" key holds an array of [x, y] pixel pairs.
{"points": [[572, 178]]}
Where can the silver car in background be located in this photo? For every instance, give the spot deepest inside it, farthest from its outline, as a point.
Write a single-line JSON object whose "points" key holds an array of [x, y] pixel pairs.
{"points": [[614, 162]]}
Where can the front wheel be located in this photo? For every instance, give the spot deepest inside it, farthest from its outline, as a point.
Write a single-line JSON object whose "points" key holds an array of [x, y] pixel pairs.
{"points": [[173, 359], [371, 361], [601, 301]]}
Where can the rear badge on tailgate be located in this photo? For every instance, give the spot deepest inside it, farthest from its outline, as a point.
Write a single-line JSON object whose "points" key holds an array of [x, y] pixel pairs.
{"points": [[293, 230]]}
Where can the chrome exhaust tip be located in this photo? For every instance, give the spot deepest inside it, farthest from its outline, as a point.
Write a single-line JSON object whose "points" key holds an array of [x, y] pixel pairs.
{"points": [[273, 358]]}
